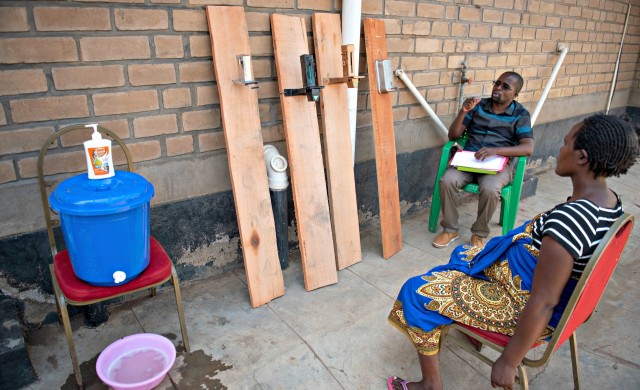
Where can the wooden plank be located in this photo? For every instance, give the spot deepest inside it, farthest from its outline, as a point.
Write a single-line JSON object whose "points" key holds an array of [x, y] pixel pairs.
{"points": [[241, 123], [305, 156], [385, 145], [338, 154]]}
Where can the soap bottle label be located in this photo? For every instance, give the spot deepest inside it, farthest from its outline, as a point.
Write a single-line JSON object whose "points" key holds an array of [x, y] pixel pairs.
{"points": [[100, 160]]}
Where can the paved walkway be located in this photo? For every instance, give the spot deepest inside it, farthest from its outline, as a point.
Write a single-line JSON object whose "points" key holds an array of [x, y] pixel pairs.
{"points": [[337, 337]]}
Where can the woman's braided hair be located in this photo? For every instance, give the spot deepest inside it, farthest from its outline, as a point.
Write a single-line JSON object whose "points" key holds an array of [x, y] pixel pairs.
{"points": [[610, 142]]}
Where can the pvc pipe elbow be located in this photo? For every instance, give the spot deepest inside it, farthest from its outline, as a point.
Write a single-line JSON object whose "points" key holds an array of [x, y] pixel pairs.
{"points": [[276, 168]]}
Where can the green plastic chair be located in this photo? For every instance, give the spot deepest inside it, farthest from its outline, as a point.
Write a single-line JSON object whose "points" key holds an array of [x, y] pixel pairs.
{"points": [[510, 193]]}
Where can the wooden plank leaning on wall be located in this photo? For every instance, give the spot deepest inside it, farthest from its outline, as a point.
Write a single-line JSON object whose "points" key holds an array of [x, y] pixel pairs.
{"points": [[338, 154], [384, 140], [305, 155], [243, 136]]}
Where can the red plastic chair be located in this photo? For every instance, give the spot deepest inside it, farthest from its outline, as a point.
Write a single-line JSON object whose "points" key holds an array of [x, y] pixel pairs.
{"points": [[68, 289], [581, 305]]}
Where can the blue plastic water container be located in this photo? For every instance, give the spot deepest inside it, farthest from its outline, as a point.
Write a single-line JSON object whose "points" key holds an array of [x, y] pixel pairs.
{"points": [[106, 226]]}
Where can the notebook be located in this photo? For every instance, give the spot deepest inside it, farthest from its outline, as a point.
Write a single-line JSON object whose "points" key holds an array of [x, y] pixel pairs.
{"points": [[465, 161]]}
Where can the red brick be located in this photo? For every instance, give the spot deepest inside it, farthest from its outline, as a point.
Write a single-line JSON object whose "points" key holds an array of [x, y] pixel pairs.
{"points": [[141, 19], [275, 133], [196, 71], [214, 2], [262, 68], [86, 77], [71, 19], [479, 31], [399, 8], [207, 95], [23, 140], [37, 50], [268, 89], [168, 46], [428, 45], [115, 48], [201, 120], [321, 5], [425, 79], [508, 4], [188, 20], [393, 26], [440, 29], [258, 21], [120, 127], [125, 102], [261, 46], [13, 19], [176, 97], [416, 28], [7, 172], [3, 118], [459, 29], [149, 126], [415, 63], [266, 115], [151, 74], [15, 82], [270, 3], [49, 108], [431, 11], [144, 151], [470, 14], [179, 145], [491, 16], [200, 46], [400, 45], [55, 163], [211, 141], [372, 7]]}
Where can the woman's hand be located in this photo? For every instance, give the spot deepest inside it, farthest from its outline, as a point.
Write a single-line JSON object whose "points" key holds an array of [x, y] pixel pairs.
{"points": [[503, 374]]}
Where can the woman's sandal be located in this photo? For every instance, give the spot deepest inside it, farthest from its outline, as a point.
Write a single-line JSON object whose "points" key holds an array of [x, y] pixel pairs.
{"points": [[402, 382]]}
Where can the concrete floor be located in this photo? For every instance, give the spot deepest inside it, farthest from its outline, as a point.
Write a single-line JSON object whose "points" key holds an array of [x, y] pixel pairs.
{"points": [[338, 337]]}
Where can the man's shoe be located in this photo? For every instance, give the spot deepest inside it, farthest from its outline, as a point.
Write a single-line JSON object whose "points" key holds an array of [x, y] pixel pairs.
{"points": [[476, 241], [444, 239]]}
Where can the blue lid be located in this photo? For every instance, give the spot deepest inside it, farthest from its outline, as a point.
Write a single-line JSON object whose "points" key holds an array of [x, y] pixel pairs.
{"points": [[80, 195]]}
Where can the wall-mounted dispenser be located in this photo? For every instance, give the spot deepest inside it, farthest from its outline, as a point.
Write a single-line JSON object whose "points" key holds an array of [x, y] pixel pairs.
{"points": [[348, 69], [311, 88], [245, 71], [384, 76]]}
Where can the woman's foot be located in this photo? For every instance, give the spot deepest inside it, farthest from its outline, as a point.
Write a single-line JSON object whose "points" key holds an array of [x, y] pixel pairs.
{"points": [[395, 383]]}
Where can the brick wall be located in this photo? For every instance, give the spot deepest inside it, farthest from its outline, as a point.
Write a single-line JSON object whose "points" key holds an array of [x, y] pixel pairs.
{"points": [[143, 68]]}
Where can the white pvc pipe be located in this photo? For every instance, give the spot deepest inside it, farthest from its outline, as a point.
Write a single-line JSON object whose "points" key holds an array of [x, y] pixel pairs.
{"points": [[351, 15], [276, 168], [563, 52], [403, 76], [615, 72]]}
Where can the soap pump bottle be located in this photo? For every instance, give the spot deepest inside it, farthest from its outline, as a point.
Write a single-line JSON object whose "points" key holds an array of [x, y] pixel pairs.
{"points": [[99, 155]]}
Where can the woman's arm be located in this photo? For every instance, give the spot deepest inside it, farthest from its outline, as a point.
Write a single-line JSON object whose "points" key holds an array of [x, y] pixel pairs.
{"points": [[549, 278]]}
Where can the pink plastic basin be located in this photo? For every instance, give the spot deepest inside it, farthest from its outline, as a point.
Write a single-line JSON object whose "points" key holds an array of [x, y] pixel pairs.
{"points": [[136, 362]]}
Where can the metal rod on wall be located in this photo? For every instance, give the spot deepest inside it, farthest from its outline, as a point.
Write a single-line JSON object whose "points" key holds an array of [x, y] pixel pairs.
{"points": [[403, 76], [563, 52], [615, 72]]}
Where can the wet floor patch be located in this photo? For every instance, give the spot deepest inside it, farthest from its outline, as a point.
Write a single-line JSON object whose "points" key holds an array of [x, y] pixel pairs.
{"points": [[198, 371], [90, 377]]}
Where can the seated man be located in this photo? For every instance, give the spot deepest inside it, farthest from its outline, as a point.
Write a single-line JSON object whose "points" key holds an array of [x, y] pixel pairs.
{"points": [[495, 126]]}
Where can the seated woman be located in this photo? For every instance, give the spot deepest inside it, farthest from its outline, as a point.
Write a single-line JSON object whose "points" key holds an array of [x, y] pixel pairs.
{"points": [[519, 284]]}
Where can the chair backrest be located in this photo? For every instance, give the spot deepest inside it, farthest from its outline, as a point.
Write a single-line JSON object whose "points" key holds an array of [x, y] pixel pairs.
{"points": [[43, 185], [593, 281]]}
